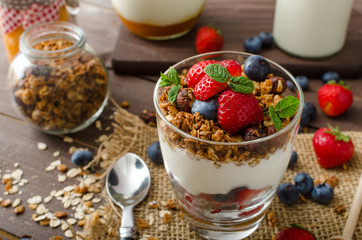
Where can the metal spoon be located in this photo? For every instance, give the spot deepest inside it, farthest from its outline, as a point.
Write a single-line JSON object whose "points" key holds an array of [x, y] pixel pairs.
{"points": [[127, 185], [353, 215]]}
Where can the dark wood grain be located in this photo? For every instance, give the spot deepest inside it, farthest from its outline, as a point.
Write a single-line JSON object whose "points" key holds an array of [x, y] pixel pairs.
{"points": [[237, 20]]}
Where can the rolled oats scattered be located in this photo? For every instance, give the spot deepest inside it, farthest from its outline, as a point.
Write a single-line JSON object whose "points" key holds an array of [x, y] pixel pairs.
{"points": [[48, 199], [56, 154], [17, 174], [35, 200], [44, 222], [71, 221], [5, 203], [54, 222], [16, 165], [96, 200], [16, 202], [60, 214], [75, 201], [40, 218], [62, 178], [68, 234], [59, 193], [50, 168], [41, 209], [68, 139], [67, 204], [19, 210], [73, 172], [69, 188], [42, 146], [64, 226], [87, 196], [32, 206]]}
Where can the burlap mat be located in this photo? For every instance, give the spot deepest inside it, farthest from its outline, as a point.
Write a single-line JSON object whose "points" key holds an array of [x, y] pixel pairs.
{"points": [[132, 135]]}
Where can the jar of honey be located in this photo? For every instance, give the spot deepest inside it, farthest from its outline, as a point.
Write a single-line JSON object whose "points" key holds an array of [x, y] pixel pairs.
{"points": [[17, 16]]}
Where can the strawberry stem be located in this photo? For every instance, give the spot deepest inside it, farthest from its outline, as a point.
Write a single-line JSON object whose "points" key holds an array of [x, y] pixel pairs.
{"points": [[335, 131]]}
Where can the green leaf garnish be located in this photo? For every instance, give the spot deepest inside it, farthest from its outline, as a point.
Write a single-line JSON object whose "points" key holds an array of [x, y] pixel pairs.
{"points": [[220, 74], [274, 117], [172, 78], [287, 107], [172, 94], [335, 131], [241, 84], [217, 72]]}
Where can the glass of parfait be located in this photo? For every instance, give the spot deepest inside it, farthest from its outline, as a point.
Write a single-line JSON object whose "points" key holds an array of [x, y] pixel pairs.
{"points": [[223, 172]]}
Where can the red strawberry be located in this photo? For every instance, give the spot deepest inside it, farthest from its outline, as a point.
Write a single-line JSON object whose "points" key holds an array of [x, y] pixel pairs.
{"points": [[207, 87], [196, 72], [331, 147], [232, 66], [238, 110], [208, 39], [295, 233], [334, 99]]}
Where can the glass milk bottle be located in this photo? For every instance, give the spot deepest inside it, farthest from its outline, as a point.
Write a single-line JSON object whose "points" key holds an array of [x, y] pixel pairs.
{"points": [[311, 28]]}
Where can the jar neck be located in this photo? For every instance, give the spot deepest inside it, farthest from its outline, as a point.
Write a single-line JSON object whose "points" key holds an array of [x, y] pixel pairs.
{"points": [[48, 32]]}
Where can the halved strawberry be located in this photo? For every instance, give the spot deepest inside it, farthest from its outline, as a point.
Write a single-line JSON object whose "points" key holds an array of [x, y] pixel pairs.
{"points": [[207, 87], [196, 72], [238, 110]]}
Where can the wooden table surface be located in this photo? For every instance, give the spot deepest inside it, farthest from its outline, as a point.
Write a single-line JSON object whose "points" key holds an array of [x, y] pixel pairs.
{"points": [[18, 140]]}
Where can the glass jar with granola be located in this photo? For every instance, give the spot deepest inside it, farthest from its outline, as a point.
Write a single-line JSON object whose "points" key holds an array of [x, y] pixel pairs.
{"points": [[58, 82]]}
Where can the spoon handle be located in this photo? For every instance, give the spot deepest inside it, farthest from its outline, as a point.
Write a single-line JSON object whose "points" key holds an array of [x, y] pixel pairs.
{"points": [[354, 212], [127, 227]]}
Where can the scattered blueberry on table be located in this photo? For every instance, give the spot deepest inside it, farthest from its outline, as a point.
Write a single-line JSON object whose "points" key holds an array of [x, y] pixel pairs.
{"points": [[82, 157], [322, 193], [154, 153], [208, 108], [304, 183], [267, 39], [303, 82], [288, 193], [293, 159], [308, 114], [252, 44], [330, 76]]}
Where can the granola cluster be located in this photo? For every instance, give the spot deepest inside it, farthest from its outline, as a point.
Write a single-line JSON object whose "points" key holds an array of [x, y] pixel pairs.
{"points": [[61, 93], [268, 93]]}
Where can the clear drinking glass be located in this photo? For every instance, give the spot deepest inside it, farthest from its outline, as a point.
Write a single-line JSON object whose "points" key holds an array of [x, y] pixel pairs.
{"points": [[224, 189]]}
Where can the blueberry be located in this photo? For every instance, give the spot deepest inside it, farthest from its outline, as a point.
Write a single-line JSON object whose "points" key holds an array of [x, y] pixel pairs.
{"points": [[293, 159], [82, 157], [304, 183], [322, 193], [252, 44], [329, 76], [290, 85], [311, 109], [208, 108], [303, 81], [256, 68], [288, 193], [154, 153], [305, 118], [267, 39]]}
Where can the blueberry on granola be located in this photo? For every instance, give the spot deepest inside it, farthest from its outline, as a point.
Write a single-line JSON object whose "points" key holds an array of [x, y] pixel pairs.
{"points": [[256, 68], [154, 153], [208, 108]]}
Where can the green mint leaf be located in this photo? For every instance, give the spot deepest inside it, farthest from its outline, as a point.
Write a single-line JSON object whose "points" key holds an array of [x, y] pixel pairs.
{"points": [[217, 72], [287, 107], [335, 131], [173, 76], [165, 80], [172, 94], [241, 84], [274, 117]]}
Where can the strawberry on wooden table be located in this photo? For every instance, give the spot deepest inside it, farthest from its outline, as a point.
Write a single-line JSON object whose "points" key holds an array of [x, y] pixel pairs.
{"points": [[334, 98], [208, 39], [331, 147], [295, 233]]}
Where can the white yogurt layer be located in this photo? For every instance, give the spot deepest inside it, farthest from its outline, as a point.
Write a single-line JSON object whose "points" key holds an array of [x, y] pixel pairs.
{"points": [[158, 12], [201, 176]]}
